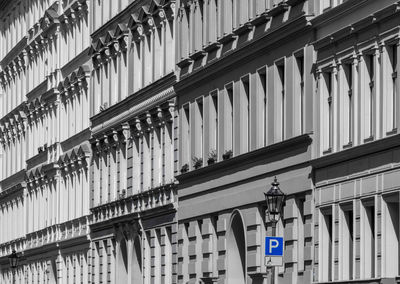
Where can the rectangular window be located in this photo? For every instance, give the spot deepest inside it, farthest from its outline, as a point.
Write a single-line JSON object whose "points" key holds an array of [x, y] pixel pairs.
{"points": [[390, 221], [185, 135], [393, 61], [327, 112], [300, 233], [369, 97], [262, 100], [346, 241], [198, 151], [245, 115], [281, 99], [348, 104], [213, 123], [228, 123], [326, 245], [299, 89], [368, 239]]}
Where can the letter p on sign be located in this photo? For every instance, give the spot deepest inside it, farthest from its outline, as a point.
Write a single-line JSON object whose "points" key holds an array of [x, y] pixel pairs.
{"points": [[273, 246]]}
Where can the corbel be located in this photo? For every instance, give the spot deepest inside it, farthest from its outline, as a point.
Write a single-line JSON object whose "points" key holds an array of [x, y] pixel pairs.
{"points": [[105, 54], [105, 144], [126, 132], [116, 49], [115, 138], [149, 122], [169, 10], [97, 60], [170, 111], [149, 25], [124, 42], [138, 128], [72, 17], [159, 18], [137, 33]]}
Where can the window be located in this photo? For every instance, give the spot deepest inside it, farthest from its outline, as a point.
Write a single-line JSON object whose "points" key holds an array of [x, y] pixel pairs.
{"points": [[185, 135], [281, 99], [346, 241], [325, 245], [392, 100], [299, 88], [213, 122], [244, 115], [198, 121], [261, 105], [327, 112], [228, 118], [300, 233], [390, 219], [368, 239], [348, 105], [369, 97]]}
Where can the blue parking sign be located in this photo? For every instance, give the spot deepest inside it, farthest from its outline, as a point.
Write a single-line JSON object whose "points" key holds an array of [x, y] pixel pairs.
{"points": [[273, 246]]}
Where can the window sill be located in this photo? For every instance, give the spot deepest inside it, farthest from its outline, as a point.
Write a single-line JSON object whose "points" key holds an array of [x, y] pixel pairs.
{"points": [[227, 38], [261, 19], [327, 151], [184, 62], [348, 145], [369, 139], [278, 9], [391, 132]]}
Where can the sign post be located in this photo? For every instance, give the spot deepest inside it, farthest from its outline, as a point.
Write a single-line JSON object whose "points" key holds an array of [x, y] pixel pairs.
{"points": [[274, 251]]}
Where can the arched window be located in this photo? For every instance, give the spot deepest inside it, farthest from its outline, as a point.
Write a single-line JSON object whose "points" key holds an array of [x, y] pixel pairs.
{"points": [[236, 254]]}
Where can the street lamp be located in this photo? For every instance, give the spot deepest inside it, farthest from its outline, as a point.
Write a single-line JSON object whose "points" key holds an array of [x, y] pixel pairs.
{"points": [[14, 259], [275, 199]]}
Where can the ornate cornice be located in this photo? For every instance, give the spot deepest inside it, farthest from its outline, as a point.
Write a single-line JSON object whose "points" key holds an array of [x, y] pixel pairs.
{"points": [[12, 184], [250, 50], [106, 139], [142, 122], [354, 28], [74, 84], [13, 125], [74, 12], [75, 159], [113, 38]]}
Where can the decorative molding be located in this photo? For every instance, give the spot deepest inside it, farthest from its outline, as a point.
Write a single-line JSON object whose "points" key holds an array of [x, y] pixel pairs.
{"points": [[135, 204], [74, 84]]}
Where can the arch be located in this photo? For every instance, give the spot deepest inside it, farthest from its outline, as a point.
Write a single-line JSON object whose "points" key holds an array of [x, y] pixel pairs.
{"points": [[122, 262], [136, 261], [236, 250]]}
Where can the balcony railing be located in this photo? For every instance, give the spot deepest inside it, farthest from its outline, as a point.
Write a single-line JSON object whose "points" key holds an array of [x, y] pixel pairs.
{"points": [[138, 203]]}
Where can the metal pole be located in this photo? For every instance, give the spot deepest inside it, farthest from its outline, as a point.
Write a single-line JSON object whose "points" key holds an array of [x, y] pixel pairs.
{"points": [[13, 275], [273, 267]]}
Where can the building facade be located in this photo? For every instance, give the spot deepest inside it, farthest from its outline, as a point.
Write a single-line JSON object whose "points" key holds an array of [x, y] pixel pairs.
{"points": [[138, 138]]}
